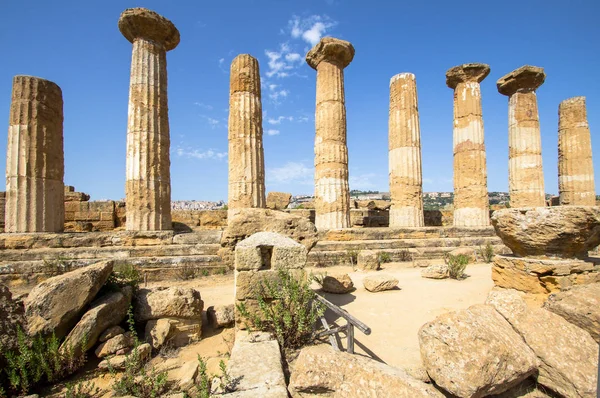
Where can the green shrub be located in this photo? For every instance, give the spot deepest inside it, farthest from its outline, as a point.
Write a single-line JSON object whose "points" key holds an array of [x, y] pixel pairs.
{"points": [[185, 272], [204, 385], [404, 256], [487, 253], [124, 275], [82, 390], [384, 257], [287, 309], [352, 256], [457, 265], [56, 266]]}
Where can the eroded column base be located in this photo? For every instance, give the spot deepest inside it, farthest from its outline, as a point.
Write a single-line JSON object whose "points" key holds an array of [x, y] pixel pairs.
{"points": [[471, 217], [406, 216], [332, 220]]}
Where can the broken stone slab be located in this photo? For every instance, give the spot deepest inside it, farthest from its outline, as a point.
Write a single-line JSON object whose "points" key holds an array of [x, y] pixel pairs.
{"points": [[269, 250], [337, 284], [475, 352], [567, 354], [435, 271], [579, 305], [113, 345], [176, 331], [162, 302], [278, 200], [368, 260], [12, 318], [118, 361], [54, 305], [110, 333], [320, 369], [527, 78], [221, 316], [379, 282]]}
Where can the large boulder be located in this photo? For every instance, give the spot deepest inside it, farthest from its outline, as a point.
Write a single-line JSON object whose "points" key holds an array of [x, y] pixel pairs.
{"points": [[337, 284], [475, 352], [118, 343], [245, 222], [567, 354], [221, 316], [379, 282], [579, 305], [163, 302], [435, 271], [278, 200], [321, 371], [109, 310], [12, 317], [561, 231], [54, 306]]}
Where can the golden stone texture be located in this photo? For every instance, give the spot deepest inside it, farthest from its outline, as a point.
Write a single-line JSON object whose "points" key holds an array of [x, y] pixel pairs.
{"points": [[471, 204], [525, 173], [575, 166], [35, 158], [405, 169], [148, 182], [332, 193], [246, 155]]}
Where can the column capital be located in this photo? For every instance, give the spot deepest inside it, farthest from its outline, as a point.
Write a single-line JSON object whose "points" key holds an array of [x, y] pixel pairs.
{"points": [[526, 78], [335, 51], [141, 23], [464, 73]]}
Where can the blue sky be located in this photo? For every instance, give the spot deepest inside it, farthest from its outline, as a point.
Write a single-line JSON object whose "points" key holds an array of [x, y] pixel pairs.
{"points": [[77, 45]]}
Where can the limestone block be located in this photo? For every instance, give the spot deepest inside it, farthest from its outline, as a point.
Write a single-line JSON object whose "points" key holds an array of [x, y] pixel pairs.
{"points": [[435, 271], [368, 260], [338, 284], [110, 333], [115, 344], [221, 316], [380, 282], [118, 361], [278, 200], [248, 258], [161, 302]]}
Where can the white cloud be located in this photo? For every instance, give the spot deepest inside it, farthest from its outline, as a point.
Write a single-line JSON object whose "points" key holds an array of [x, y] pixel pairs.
{"points": [[279, 119], [293, 57], [199, 154], [362, 181], [213, 123], [204, 106], [310, 29], [291, 172], [275, 95], [272, 132]]}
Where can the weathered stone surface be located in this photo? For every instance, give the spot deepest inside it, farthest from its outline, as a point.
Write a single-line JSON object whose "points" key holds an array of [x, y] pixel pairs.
{"points": [[178, 332], [575, 167], [525, 173], [406, 180], [379, 282], [161, 302], [278, 200], [246, 155], [266, 250], [475, 352], [567, 354], [435, 271], [338, 284], [148, 176], [118, 362], [332, 194], [562, 231], [471, 203], [115, 344], [368, 260], [35, 158], [157, 332], [106, 311], [321, 371], [12, 317], [54, 305], [221, 316], [579, 305], [248, 283], [110, 333], [245, 222]]}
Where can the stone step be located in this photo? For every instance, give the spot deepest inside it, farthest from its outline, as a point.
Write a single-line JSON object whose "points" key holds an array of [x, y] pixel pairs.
{"points": [[405, 233], [108, 252], [325, 246]]}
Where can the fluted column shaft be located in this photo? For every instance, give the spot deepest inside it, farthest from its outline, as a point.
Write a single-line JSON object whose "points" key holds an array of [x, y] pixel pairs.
{"points": [[35, 158], [148, 182], [575, 166], [405, 171], [525, 172], [332, 192], [246, 154]]}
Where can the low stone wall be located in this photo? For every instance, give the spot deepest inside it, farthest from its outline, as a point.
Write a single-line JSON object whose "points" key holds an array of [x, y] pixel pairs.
{"points": [[2, 205], [90, 216], [199, 219]]}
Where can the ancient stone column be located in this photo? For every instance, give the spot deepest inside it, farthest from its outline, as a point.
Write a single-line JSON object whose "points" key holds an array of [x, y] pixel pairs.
{"points": [[405, 170], [525, 173], [471, 203], [575, 167], [246, 155], [148, 182], [332, 194], [35, 164]]}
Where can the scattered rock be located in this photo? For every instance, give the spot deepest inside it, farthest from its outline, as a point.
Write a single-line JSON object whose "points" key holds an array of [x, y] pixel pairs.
{"points": [[12, 317], [118, 361], [186, 375], [120, 342], [322, 370], [368, 260], [379, 282], [161, 302], [177, 331], [567, 354], [562, 231], [338, 284], [278, 200], [580, 305], [54, 305], [436, 271], [110, 333], [221, 316], [475, 352], [107, 311]]}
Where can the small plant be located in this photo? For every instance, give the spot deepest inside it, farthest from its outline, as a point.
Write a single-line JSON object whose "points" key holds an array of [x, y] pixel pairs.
{"points": [[205, 272], [287, 309], [352, 256], [185, 272], [223, 271], [57, 266], [384, 257], [457, 265], [487, 253], [405, 256], [82, 390], [204, 386], [299, 207], [124, 275]]}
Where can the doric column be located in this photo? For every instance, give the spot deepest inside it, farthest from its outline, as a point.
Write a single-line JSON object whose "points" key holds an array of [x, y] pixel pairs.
{"points": [[575, 166], [525, 173], [405, 170], [332, 194], [35, 164], [471, 203], [246, 155], [148, 182]]}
